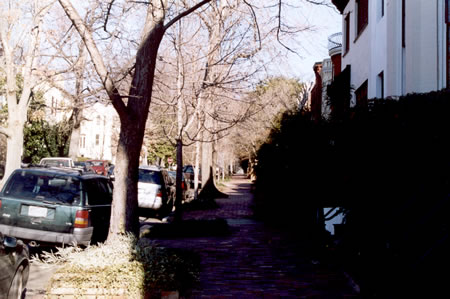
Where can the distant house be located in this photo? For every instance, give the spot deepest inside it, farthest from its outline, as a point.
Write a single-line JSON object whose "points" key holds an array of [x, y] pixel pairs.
{"points": [[325, 73], [395, 47], [98, 132], [57, 107]]}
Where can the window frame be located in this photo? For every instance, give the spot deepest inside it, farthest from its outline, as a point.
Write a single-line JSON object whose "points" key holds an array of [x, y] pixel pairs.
{"points": [[347, 33], [380, 85], [82, 141], [447, 22], [362, 16], [361, 95]]}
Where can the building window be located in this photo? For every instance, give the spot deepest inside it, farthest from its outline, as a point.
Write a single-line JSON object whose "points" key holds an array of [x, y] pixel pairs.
{"points": [[362, 19], [98, 120], [347, 33], [403, 23], [380, 9], [361, 95], [380, 85], [54, 106], [97, 139], [83, 141]]}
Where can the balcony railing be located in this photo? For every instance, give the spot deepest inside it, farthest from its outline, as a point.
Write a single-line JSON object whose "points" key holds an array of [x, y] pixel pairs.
{"points": [[335, 41]]}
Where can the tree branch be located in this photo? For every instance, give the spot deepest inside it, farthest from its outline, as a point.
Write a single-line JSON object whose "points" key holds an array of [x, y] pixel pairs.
{"points": [[185, 13], [96, 57]]}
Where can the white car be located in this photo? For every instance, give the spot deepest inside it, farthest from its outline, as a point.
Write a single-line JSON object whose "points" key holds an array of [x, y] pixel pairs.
{"points": [[152, 192], [57, 162]]}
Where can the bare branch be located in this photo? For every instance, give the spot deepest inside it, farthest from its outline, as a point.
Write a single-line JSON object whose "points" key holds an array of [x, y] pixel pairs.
{"points": [[96, 57], [185, 13]]}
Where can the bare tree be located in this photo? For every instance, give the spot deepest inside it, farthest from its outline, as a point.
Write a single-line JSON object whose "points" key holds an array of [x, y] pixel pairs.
{"points": [[208, 81], [133, 111], [271, 99], [20, 33]]}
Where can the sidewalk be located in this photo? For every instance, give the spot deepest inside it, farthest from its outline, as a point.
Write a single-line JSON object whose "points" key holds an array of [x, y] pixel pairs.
{"points": [[255, 261]]}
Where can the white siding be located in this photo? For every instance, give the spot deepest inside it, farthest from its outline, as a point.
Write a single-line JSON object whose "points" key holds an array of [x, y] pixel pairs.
{"points": [[99, 121], [418, 67]]}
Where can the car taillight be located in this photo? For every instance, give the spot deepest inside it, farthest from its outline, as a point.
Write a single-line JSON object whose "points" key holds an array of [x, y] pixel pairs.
{"points": [[0, 204], [159, 194], [82, 219], [183, 185]]}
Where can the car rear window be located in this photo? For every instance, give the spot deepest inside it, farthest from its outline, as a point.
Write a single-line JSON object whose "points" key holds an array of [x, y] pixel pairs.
{"points": [[95, 163], [44, 187], [150, 176], [56, 163]]}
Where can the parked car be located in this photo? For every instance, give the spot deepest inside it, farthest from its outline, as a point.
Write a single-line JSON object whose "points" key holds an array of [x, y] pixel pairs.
{"points": [[56, 205], [184, 185], [14, 266], [189, 172], [153, 195], [57, 162], [80, 164], [111, 172], [98, 166]]}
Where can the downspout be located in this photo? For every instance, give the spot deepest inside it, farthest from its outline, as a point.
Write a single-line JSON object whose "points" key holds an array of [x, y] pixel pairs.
{"points": [[438, 46], [403, 41]]}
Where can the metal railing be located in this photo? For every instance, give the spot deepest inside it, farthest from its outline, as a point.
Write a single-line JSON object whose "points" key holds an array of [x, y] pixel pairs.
{"points": [[335, 41]]}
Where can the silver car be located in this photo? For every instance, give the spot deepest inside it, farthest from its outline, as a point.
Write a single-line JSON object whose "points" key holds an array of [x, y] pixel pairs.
{"points": [[152, 191]]}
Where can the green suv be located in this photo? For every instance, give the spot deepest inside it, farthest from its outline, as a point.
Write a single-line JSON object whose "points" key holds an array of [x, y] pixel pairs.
{"points": [[56, 205]]}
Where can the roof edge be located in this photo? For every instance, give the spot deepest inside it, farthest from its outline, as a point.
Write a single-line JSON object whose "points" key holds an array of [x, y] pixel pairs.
{"points": [[340, 4]]}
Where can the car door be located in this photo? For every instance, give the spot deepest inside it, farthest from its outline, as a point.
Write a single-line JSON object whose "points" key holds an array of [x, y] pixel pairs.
{"points": [[99, 199]]}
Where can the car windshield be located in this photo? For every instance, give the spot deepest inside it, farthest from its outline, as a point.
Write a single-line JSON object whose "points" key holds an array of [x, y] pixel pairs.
{"points": [[150, 176], [95, 163], [173, 174], [188, 169], [56, 163], [43, 187]]}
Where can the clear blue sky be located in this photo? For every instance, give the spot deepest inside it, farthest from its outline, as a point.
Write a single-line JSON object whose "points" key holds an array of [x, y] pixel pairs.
{"points": [[312, 46]]}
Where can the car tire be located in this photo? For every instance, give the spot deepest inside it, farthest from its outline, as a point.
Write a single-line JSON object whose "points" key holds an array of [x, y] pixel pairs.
{"points": [[16, 290]]}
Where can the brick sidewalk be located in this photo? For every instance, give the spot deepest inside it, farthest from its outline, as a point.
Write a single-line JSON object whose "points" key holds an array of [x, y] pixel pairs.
{"points": [[255, 261]]}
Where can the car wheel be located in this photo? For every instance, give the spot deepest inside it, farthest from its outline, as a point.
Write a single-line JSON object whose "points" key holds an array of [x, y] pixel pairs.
{"points": [[17, 287]]}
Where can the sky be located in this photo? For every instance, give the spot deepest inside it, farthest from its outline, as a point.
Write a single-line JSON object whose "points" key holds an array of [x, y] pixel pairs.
{"points": [[313, 45]]}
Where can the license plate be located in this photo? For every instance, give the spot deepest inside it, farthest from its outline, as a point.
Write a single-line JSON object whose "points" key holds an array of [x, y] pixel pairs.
{"points": [[37, 211]]}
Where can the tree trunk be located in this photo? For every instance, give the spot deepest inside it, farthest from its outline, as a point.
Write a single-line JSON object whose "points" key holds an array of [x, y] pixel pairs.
{"points": [[206, 161], [209, 189], [14, 143], [124, 213], [77, 112], [179, 191], [198, 149], [125, 217]]}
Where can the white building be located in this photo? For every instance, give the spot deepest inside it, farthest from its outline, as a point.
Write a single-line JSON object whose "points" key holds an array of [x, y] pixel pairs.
{"points": [[327, 78], [57, 107], [98, 131], [395, 47]]}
